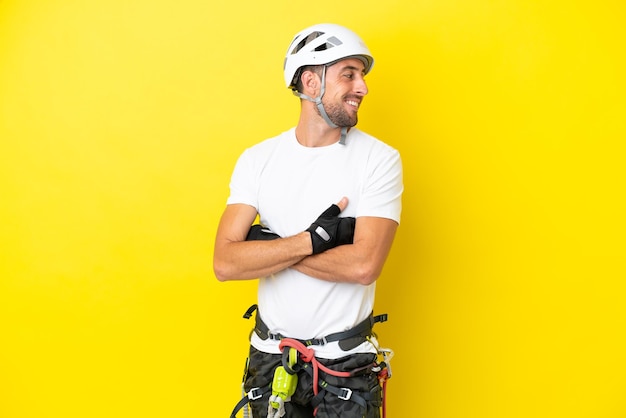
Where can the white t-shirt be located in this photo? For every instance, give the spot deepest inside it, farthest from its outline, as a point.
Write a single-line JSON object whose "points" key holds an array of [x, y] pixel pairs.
{"points": [[290, 185]]}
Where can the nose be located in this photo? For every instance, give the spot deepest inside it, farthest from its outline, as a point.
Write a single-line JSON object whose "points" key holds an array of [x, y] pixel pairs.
{"points": [[361, 86]]}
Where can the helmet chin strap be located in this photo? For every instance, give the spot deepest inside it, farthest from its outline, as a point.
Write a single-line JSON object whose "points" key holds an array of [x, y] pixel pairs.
{"points": [[318, 103]]}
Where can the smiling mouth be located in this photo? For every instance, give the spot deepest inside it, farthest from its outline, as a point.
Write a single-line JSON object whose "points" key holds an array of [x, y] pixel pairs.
{"points": [[353, 103]]}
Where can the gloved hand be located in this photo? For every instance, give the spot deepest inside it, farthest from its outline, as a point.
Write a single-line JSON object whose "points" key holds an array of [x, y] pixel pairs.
{"points": [[260, 233], [329, 230], [346, 230]]}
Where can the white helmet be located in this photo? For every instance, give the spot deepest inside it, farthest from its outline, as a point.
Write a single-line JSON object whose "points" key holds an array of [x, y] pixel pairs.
{"points": [[323, 44]]}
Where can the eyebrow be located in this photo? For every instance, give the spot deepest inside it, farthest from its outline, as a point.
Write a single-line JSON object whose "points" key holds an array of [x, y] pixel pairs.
{"points": [[352, 67]]}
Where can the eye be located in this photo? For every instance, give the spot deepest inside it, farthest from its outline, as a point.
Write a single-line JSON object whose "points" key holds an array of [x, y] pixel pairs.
{"points": [[349, 75]]}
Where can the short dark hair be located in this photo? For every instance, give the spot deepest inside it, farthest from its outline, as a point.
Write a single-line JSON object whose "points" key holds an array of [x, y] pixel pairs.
{"points": [[317, 69]]}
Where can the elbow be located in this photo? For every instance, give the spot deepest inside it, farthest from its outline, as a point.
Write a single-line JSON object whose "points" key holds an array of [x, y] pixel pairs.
{"points": [[223, 267], [367, 275], [221, 271], [367, 280], [220, 276]]}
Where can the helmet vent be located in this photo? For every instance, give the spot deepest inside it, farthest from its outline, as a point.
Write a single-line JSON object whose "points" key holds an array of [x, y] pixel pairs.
{"points": [[330, 42], [307, 40], [335, 41]]}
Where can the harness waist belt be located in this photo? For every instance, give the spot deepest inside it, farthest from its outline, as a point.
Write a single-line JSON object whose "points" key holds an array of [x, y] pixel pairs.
{"points": [[364, 329]]}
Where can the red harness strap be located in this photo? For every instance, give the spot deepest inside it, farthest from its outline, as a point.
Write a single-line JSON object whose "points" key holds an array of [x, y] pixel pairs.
{"points": [[383, 376]]}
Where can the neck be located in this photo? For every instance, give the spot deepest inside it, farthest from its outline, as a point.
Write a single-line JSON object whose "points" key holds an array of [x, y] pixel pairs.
{"points": [[313, 131], [317, 136]]}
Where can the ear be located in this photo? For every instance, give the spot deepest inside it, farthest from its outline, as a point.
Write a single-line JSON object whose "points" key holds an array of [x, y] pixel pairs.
{"points": [[310, 83]]}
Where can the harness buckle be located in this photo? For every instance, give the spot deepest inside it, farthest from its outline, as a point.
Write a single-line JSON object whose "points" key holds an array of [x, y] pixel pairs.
{"points": [[346, 394], [255, 393]]}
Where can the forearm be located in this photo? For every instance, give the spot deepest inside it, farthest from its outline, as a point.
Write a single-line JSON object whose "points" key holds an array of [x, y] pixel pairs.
{"points": [[242, 260], [360, 262], [340, 264]]}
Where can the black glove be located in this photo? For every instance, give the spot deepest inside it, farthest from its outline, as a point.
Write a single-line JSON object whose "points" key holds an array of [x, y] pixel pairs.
{"points": [[346, 230], [260, 233], [329, 230]]}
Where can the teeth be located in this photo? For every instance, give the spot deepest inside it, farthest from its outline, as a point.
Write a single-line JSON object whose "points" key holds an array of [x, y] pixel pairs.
{"points": [[352, 103]]}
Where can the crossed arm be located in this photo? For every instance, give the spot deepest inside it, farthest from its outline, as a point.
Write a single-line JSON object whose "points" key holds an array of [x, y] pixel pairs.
{"points": [[360, 262]]}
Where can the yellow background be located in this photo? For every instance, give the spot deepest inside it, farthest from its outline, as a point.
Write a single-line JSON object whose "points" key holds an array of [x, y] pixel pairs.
{"points": [[121, 120]]}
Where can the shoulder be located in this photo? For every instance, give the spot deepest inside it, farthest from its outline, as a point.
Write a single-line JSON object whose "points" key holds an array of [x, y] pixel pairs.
{"points": [[269, 145], [364, 142]]}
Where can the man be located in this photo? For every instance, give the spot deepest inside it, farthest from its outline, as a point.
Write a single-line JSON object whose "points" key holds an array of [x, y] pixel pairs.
{"points": [[317, 272]]}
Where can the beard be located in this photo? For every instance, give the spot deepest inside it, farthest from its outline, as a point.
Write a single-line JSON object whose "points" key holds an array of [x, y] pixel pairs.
{"points": [[339, 116]]}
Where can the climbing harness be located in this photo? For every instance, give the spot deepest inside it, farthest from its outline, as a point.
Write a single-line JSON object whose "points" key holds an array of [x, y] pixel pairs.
{"points": [[299, 355]]}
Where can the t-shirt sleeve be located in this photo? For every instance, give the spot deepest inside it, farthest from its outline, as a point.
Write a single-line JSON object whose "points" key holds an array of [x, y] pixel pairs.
{"points": [[243, 182], [382, 194]]}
